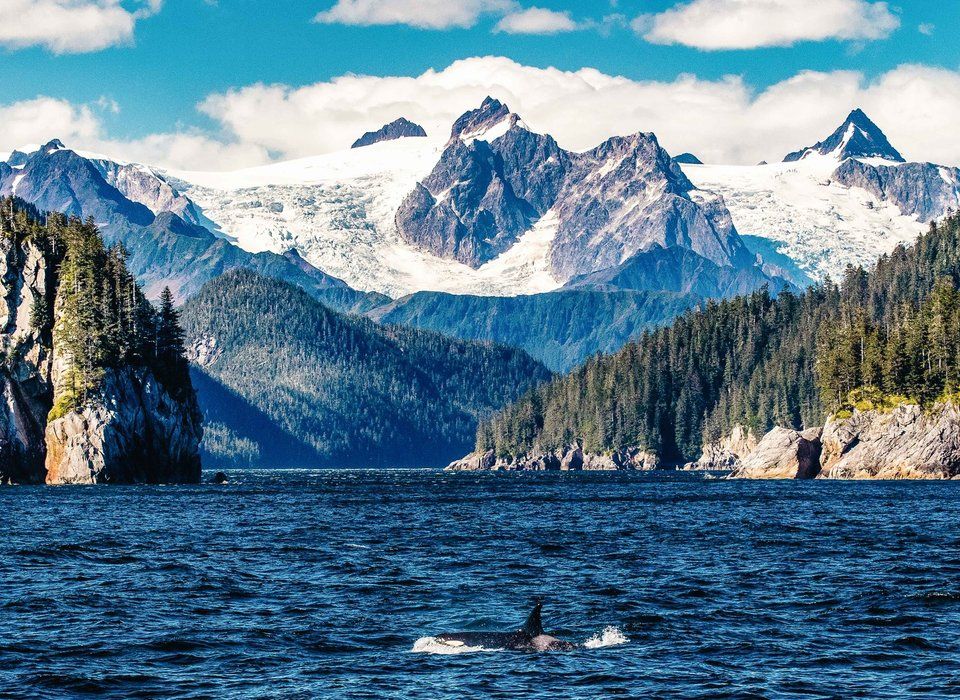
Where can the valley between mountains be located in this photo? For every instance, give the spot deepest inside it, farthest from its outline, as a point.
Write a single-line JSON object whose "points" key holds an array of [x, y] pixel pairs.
{"points": [[423, 296]]}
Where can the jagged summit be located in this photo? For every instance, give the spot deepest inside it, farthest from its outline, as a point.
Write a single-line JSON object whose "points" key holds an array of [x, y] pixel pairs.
{"points": [[397, 129], [857, 137], [52, 145], [491, 120]]}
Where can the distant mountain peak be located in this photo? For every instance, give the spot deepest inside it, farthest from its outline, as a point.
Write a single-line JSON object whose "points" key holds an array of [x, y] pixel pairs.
{"points": [[490, 121], [687, 159], [857, 137], [397, 129], [53, 145]]}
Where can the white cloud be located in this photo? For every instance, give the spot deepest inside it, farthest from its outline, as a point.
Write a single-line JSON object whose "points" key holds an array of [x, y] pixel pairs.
{"points": [[34, 122], [722, 121], [747, 24], [927, 28], [70, 26], [537, 20], [424, 14]]}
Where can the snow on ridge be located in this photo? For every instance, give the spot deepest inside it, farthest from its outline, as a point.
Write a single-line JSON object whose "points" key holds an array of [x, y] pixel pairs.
{"points": [[821, 224], [338, 211]]}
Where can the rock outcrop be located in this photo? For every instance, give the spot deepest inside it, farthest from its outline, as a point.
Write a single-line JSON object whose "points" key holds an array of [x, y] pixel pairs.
{"points": [[905, 443], [136, 432], [25, 390], [132, 428], [572, 458], [727, 452], [398, 129], [783, 454]]}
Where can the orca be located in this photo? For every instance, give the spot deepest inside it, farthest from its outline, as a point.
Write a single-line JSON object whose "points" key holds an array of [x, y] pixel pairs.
{"points": [[530, 637]]}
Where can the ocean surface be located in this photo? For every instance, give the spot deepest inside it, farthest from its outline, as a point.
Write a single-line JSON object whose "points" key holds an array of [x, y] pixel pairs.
{"points": [[320, 584]]}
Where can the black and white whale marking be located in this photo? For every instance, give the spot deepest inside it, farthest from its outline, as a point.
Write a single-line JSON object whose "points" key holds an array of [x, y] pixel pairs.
{"points": [[530, 637]]}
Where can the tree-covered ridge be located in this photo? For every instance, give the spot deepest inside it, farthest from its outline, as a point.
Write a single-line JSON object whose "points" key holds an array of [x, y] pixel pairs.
{"points": [[285, 381], [757, 360], [93, 309]]}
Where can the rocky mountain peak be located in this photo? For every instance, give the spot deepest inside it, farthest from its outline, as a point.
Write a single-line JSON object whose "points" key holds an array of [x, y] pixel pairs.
{"points": [[490, 120], [397, 129], [857, 137], [51, 146]]}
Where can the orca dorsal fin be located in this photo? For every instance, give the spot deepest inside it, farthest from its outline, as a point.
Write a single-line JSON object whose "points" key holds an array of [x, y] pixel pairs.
{"points": [[533, 626]]}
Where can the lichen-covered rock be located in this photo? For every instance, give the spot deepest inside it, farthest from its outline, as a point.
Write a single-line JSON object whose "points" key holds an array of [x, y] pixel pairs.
{"points": [[728, 452], [783, 454], [905, 443], [133, 432]]}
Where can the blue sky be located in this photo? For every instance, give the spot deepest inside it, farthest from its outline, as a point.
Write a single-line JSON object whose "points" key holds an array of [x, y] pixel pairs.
{"points": [[182, 51]]}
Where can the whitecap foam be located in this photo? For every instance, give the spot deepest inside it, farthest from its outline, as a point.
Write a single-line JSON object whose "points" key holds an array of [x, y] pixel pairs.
{"points": [[432, 645], [610, 637]]}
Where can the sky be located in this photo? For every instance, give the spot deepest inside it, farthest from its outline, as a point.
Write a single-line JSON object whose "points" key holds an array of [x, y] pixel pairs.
{"points": [[220, 84]]}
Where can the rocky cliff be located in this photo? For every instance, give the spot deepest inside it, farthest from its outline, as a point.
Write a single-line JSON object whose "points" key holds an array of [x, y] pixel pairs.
{"points": [[135, 419], [571, 458], [728, 452], [907, 442], [398, 129]]}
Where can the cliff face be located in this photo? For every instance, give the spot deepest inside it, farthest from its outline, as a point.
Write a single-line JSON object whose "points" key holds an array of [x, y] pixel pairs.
{"points": [[130, 428], [25, 391], [137, 432], [905, 443], [727, 452]]}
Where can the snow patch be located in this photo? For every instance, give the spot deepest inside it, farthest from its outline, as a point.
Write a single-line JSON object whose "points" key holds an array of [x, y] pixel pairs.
{"points": [[819, 223]]}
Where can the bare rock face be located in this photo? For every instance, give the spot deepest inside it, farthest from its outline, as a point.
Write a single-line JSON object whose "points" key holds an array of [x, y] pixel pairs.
{"points": [[906, 443], [727, 452], [783, 454], [924, 190], [25, 388], [572, 458], [135, 433], [399, 129]]}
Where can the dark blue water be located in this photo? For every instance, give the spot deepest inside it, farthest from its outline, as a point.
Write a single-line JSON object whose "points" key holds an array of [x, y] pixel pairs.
{"points": [[317, 584]]}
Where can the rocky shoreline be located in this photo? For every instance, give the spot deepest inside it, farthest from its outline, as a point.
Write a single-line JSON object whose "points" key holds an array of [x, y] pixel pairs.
{"points": [[906, 442], [572, 458]]}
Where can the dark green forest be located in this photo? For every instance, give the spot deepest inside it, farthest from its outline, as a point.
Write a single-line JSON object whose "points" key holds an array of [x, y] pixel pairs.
{"points": [[887, 334], [92, 307], [285, 381]]}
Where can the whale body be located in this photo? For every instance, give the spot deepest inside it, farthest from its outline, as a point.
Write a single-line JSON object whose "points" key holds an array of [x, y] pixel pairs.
{"points": [[530, 637]]}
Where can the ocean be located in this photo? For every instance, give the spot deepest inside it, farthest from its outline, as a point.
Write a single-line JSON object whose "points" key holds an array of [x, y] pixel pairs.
{"points": [[333, 584]]}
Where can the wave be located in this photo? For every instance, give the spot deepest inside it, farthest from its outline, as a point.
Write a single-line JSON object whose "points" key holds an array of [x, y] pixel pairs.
{"points": [[432, 645], [610, 637]]}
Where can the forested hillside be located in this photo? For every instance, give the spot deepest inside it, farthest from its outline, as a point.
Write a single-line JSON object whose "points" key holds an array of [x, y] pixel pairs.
{"points": [[760, 361], [285, 381]]}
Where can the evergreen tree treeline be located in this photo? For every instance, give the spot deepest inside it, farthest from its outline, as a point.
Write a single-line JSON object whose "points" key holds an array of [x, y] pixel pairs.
{"points": [[93, 308], [758, 361]]}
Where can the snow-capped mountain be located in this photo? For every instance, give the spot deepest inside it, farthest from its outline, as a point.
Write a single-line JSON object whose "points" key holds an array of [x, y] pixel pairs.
{"points": [[857, 137], [399, 129], [846, 200]]}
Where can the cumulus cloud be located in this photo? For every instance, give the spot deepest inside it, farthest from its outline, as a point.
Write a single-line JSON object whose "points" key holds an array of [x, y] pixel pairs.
{"points": [[423, 14], [722, 121], [537, 20], [70, 26], [30, 123], [746, 24]]}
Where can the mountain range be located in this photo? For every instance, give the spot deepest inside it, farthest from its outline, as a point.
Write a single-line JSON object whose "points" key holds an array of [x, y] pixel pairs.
{"points": [[494, 232]]}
